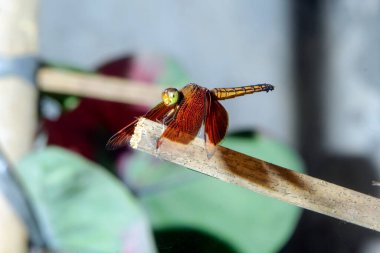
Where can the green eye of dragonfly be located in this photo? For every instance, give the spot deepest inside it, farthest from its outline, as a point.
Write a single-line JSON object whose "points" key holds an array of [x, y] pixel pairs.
{"points": [[170, 96]]}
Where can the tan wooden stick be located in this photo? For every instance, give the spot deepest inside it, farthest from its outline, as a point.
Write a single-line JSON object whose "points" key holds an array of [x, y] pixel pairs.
{"points": [[97, 86], [263, 177], [18, 99]]}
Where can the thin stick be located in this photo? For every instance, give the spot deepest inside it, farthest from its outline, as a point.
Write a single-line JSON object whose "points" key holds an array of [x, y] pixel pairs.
{"points": [[263, 177], [97, 86]]}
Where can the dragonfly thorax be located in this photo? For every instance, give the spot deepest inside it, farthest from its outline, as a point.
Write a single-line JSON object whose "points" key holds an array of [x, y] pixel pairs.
{"points": [[170, 96]]}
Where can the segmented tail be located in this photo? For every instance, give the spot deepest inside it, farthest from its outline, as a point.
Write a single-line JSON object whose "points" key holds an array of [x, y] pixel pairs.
{"points": [[226, 93]]}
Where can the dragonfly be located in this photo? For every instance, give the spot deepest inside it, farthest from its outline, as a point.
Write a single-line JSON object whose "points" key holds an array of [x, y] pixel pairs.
{"points": [[183, 112]]}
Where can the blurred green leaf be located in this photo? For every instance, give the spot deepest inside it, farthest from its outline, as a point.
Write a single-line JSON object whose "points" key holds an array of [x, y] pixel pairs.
{"points": [[81, 207], [180, 198]]}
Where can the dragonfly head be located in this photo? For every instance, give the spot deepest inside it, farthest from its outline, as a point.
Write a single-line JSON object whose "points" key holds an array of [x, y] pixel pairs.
{"points": [[170, 96]]}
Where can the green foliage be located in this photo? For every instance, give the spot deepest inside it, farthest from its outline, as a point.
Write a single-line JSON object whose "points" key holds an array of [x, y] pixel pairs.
{"points": [[81, 207]]}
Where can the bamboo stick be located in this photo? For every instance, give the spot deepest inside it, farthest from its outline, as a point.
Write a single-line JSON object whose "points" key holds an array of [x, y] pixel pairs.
{"points": [[18, 50], [97, 86], [263, 177], [18, 102]]}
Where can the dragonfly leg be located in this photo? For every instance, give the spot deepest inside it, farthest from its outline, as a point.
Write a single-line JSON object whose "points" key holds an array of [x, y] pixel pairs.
{"points": [[170, 116], [165, 121]]}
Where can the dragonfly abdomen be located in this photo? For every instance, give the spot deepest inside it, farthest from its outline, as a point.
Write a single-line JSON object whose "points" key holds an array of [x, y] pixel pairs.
{"points": [[226, 93]]}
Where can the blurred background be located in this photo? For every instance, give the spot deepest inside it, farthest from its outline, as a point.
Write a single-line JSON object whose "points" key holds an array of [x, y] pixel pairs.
{"points": [[323, 119]]}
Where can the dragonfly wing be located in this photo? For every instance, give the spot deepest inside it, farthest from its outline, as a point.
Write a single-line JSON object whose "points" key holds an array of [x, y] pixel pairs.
{"points": [[121, 138], [188, 118], [216, 123]]}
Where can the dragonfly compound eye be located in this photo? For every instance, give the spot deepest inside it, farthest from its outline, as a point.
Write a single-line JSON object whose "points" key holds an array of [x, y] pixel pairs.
{"points": [[170, 96]]}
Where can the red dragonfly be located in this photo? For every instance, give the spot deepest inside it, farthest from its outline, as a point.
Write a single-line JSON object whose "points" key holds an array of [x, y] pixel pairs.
{"points": [[184, 111]]}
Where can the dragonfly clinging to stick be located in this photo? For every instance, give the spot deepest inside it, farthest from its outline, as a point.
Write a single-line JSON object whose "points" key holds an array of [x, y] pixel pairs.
{"points": [[184, 111]]}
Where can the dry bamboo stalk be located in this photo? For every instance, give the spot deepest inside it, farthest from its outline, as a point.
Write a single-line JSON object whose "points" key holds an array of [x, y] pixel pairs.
{"points": [[97, 86], [18, 99], [263, 177], [14, 236]]}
